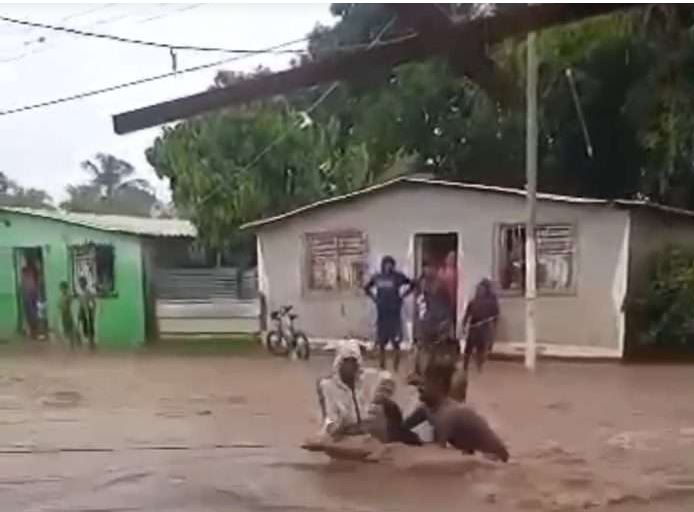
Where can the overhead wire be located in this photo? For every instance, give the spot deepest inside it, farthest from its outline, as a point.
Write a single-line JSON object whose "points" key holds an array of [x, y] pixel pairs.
{"points": [[175, 46], [106, 21], [192, 69], [304, 115], [185, 8], [139, 81], [128, 40]]}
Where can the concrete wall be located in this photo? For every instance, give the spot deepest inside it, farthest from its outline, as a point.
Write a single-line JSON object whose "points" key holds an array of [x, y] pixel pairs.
{"points": [[651, 232], [120, 318], [591, 317]]}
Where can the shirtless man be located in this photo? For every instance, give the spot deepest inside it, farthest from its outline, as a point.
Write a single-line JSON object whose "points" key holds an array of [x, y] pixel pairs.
{"points": [[453, 423]]}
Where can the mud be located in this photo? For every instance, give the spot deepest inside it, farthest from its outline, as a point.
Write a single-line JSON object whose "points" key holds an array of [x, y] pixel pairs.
{"points": [[84, 432]]}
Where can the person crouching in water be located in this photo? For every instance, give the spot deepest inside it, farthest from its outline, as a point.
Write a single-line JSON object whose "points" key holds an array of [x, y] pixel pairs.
{"points": [[479, 322], [388, 296], [356, 400], [453, 422]]}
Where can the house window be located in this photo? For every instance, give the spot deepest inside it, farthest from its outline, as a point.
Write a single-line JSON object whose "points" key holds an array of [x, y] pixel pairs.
{"points": [[555, 257], [336, 260], [96, 264]]}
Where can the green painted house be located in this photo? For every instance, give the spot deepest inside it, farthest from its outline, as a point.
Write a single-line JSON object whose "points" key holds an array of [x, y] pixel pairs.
{"points": [[116, 255]]}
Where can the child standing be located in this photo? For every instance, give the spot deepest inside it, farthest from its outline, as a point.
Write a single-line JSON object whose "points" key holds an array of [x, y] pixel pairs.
{"points": [[479, 323], [87, 308], [65, 306]]}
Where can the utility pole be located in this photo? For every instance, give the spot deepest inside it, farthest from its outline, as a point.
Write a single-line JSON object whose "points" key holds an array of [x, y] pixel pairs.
{"points": [[531, 203]]}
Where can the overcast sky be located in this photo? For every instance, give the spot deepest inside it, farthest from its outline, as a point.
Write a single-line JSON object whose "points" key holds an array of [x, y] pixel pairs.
{"points": [[43, 148]]}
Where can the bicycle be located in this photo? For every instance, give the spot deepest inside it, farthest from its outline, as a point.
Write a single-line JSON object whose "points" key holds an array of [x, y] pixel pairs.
{"points": [[285, 339]]}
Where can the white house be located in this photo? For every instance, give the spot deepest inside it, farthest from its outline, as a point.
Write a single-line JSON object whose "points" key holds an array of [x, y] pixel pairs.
{"points": [[591, 253]]}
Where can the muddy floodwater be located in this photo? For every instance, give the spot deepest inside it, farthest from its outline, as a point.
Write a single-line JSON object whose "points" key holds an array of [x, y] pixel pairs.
{"points": [[174, 433]]}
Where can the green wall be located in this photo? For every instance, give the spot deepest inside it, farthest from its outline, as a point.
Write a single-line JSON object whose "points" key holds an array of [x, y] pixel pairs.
{"points": [[120, 319]]}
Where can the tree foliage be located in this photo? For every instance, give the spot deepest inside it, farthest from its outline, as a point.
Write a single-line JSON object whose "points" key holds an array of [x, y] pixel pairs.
{"points": [[111, 189], [670, 300], [227, 169], [12, 194], [632, 77]]}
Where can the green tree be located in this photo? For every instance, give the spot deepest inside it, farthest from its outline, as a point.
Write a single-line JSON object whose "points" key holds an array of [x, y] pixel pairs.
{"points": [[111, 189], [226, 169], [630, 76], [12, 194]]}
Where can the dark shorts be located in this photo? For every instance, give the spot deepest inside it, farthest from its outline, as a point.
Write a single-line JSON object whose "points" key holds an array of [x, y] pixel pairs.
{"points": [[388, 330], [68, 324], [86, 319], [31, 310], [478, 340]]}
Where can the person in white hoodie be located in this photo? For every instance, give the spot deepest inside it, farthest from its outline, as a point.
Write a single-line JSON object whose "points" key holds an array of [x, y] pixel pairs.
{"points": [[347, 396], [356, 403]]}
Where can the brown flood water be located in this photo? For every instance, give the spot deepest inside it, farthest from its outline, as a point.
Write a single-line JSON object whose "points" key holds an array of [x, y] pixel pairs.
{"points": [[166, 433]]}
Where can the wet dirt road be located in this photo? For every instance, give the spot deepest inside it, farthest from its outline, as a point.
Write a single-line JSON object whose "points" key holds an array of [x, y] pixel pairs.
{"points": [[172, 433]]}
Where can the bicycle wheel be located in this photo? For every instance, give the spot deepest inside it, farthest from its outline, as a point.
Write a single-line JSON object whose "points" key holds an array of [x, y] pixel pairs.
{"points": [[303, 347], [275, 344]]}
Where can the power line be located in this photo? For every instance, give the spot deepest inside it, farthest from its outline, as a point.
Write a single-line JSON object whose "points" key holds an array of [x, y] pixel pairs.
{"points": [[142, 80], [201, 67], [106, 21], [141, 42], [91, 10], [305, 115], [166, 14]]}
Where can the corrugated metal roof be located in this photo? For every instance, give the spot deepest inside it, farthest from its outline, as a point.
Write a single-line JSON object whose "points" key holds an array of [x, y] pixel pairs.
{"points": [[626, 203], [141, 226]]}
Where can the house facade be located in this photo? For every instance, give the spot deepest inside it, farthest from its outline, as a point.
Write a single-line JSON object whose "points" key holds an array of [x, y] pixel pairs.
{"points": [[109, 251], [318, 257]]}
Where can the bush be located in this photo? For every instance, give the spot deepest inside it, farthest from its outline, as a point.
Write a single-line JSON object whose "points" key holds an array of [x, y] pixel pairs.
{"points": [[670, 300]]}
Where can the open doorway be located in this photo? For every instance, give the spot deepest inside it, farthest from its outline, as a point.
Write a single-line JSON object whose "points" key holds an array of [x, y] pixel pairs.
{"points": [[440, 252], [31, 292]]}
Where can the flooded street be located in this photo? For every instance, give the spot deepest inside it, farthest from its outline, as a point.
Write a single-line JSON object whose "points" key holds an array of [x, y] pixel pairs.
{"points": [[174, 433]]}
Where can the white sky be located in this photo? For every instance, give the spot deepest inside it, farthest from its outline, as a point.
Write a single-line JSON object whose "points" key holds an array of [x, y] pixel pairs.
{"points": [[43, 148]]}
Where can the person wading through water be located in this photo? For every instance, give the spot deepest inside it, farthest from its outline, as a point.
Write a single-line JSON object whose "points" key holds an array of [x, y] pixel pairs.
{"points": [[435, 318], [435, 331], [388, 296], [479, 323], [453, 423]]}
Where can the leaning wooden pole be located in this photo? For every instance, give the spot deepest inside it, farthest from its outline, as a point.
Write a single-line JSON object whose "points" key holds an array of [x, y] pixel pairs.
{"points": [[531, 204]]}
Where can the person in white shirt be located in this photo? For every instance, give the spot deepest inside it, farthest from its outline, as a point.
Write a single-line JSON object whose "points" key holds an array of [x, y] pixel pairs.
{"points": [[356, 403], [347, 397]]}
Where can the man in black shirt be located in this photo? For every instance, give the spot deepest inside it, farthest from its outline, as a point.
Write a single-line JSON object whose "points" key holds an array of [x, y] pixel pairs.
{"points": [[386, 290]]}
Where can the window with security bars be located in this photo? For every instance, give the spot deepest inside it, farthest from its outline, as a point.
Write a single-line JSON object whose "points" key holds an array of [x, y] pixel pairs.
{"points": [[95, 263], [336, 260], [556, 269]]}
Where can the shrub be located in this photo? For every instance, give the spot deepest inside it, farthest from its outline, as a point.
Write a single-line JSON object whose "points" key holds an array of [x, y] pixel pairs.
{"points": [[670, 300]]}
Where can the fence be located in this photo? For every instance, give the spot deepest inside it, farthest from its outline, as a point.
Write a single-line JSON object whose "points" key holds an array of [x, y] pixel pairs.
{"points": [[206, 302]]}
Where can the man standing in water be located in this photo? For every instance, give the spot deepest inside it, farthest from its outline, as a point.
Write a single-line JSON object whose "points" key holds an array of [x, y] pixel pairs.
{"points": [[388, 285]]}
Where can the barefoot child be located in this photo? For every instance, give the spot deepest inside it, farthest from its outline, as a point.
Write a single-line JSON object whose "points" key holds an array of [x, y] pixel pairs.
{"points": [[87, 308], [65, 306]]}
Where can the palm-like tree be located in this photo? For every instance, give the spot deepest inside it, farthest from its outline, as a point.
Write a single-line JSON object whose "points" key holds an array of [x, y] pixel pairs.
{"points": [[111, 189], [12, 194], [111, 174]]}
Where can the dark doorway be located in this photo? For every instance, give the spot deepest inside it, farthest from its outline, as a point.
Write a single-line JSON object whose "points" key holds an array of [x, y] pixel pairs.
{"points": [[31, 287], [440, 251]]}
